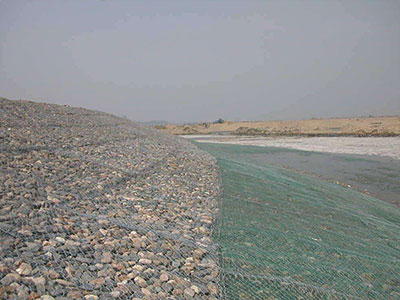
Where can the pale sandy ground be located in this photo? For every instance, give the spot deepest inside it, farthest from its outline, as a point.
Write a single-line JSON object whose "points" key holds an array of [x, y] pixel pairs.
{"points": [[375, 126], [382, 146]]}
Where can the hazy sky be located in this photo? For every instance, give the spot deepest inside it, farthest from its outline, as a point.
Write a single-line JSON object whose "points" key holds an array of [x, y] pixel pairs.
{"points": [[201, 60]]}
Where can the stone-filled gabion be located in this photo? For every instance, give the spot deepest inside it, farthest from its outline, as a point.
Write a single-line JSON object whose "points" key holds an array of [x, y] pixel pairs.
{"points": [[93, 206]]}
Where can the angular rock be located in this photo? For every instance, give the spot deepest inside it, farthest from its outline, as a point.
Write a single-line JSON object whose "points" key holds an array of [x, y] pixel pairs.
{"points": [[24, 269]]}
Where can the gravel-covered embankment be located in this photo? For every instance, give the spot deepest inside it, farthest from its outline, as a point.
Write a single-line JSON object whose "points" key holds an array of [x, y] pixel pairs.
{"points": [[98, 207]]}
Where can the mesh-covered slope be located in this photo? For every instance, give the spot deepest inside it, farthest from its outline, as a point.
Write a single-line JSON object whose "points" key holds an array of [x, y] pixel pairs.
{"points": [[93, 206], [285, 235]]}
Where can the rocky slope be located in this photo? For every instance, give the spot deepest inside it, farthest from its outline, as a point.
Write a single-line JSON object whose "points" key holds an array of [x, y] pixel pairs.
{"points": [[97, 207]]}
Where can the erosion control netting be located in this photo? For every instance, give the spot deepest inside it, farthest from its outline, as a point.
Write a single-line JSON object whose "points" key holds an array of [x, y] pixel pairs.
{"points": [[285, 235]]}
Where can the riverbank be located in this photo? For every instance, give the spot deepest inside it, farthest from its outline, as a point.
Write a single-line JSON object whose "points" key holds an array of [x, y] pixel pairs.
{"points": [[98, 207], [360, 127]]}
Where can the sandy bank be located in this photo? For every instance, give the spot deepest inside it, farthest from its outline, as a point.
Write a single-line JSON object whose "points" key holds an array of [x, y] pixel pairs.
{"points": [[374, 126]]}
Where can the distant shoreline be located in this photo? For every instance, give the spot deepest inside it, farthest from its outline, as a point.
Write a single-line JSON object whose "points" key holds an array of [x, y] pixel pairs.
{"points": [[335, 127], [282, 134]]}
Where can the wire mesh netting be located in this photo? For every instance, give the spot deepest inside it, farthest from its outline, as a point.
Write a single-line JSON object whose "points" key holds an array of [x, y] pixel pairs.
{"points": [[286, 235], [93, 206]]}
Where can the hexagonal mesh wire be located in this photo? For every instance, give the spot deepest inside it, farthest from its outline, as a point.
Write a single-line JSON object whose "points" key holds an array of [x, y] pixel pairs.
{"points": [[286, 235], [94, 205]]}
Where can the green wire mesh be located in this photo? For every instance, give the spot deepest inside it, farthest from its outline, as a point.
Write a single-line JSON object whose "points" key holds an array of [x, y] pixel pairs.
{"points": [[286, 235]]}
